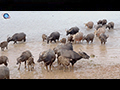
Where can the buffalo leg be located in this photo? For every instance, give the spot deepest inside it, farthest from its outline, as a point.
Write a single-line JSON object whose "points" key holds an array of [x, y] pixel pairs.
{"points": [[50, 66], [5, 63], [19, 66], [69, 68], [55, 41], [15, 42], [2, 49], [64, 68], [28, 68], [91, 41], [6, 47], [33, 65], [25, 64], [47, 68], [104, 42], [24, 39], [73, 62]]}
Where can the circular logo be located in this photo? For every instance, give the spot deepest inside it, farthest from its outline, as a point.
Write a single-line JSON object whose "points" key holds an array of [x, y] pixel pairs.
{"points": [[6, 16]]}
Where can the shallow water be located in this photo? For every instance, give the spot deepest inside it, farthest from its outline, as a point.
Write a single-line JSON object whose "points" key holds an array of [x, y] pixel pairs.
{"points": [[105, 64]]}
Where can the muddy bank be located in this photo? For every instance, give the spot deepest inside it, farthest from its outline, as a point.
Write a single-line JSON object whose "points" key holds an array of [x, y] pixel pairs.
{"points": [[105, 64]]}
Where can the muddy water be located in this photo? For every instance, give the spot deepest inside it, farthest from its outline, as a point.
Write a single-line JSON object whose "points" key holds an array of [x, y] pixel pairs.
{"points": [[105, 64]]}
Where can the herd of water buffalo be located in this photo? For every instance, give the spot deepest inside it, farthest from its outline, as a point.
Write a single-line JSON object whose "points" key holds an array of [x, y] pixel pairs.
{"points": [[64, 53]]}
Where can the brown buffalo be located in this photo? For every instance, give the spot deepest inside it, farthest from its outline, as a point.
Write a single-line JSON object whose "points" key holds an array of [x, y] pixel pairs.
{"points": [[103, 38], [44, 37], [110, 25], [63, 40], [78, 37], [3, 45], [23, 58], [31, 63], [99, 31], [89, 37], [64, 61], [4, 60], [89, 24], [4, 72]]}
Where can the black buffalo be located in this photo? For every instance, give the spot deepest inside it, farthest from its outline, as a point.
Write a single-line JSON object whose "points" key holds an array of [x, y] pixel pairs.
{"points": [[48, 57], [74, 55], [17, 37], [53, 37], [72, 31], [67, 46]]}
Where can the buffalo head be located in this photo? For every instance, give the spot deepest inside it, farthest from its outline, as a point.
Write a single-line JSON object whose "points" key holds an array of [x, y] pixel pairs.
{"points": [[9, 39], [83, 54]]}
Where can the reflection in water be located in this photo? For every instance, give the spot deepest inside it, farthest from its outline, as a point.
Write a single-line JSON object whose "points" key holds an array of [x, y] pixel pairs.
{"points": [[103, 50]]}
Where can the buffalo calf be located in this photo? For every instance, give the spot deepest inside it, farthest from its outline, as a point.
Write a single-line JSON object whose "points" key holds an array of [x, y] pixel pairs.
{"points": [[64, 61], [89, 37], [89, 24], [4, 60], [30, 62], [103, 38], [63, 40], [3, 45], [4, 72], [44, 37]]}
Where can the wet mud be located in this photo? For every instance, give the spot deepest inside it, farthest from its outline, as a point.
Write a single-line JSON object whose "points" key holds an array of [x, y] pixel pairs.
{"points": [[104, 64]]}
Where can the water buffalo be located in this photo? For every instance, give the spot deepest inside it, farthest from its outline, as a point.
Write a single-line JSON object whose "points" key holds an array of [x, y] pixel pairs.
{"points": [[17, 37], [4, 72], [78, 37], [89, 37], [74, 55], [98, 26], [23, 58], [48, 57], [103, 22], [30, 63], [99, 22], [3, 45], [63, 40], [89, 24], [53, 37], [4, 60], [67, 46], [64, 61], [110, 25], [103, 38], [72, 31], [99, 31], [70, 38], [44, 37]]}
